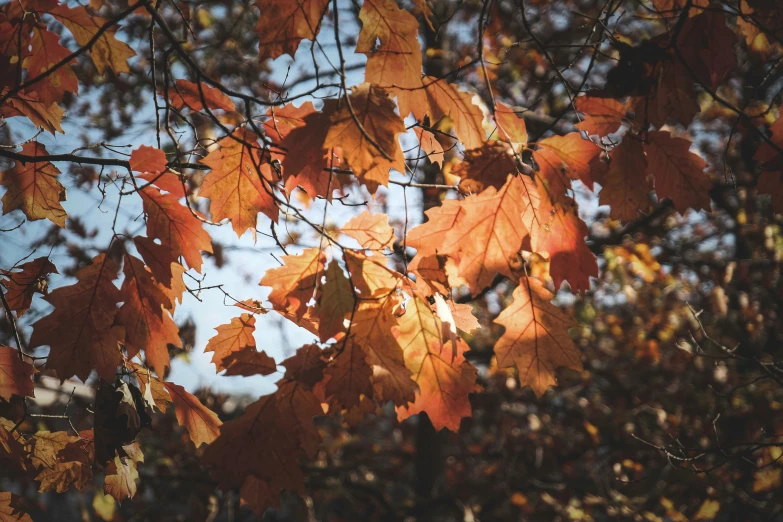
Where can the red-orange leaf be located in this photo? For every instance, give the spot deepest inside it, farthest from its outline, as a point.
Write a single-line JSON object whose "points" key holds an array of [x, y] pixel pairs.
{"points": [[511, 126], [80, 330], [295, 283], [564, 158], [536, 339], [249, 361], [446, 100], [186, 94], [369, 135], [15, 374], [707, 47], [107, 51], [48, 116], [372, 231], [348, 377], [240, 185], [29, 278], [176, 226], [33, 188], [625, 187], [148, 159], [488, 166], [202, 423], [231, 338], [46, 53], [679, 174], [145, 317], [283, 24], [602, 116]]}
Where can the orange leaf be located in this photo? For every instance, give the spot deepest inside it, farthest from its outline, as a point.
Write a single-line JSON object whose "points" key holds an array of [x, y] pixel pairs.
{"points": [[283, 24], [335, 303], [29, 279], [145, 317], [239, 185], [231, 338], [107, 51], [186, 94], [295, 283], [536, 339], [348, 377], [15, 375], [177, 228], [47, 52], [148, 159], [249, 361], [62, 461], [370, 275], [371, 231], [603, 116], [9, 509], [80, 330], [202, 423], [488, 166], [446, 100], [375, 127], [428, 237], [395, 63], [431, 146], [679, 173], [564, 158], [33, 188], [444, 377], [121, 475], [511, 126], [48, 116], [489, 234], [625, 187]]}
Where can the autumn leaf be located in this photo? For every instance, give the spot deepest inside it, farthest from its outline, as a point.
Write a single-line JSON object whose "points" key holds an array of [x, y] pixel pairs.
{"points": [[176, 226], [249, 361], [284, 24], [62, 461], [536, 339], [145, 317], [148, 159], [488, 166], [152, 389], [445, 99], [15, 375], [625, 187], [511, 126], [107, 52], [444, 377], [602, 116], [770, 183], [33, 188], [80, 330], [48, 116], [706, 45], [187, 94], [28, 279], [679, 174], [13, 446], [335, 303], [489, 234], [296, 282], [348, 377], [370, 275], [231, 338], [563, 238], [121, 473], [239, 185], [395, 62], [430, 145], [565, 158], [367, 130], [429, 236], [202, 423], [10, 510], [48, 52], [371, 231]]}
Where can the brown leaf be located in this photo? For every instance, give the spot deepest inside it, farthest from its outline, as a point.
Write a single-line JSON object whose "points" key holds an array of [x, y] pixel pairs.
{"points": [[202, 424], [625, 187], [284, 24], [10, 510], [15, 375], [26, 281], [679, 173]]}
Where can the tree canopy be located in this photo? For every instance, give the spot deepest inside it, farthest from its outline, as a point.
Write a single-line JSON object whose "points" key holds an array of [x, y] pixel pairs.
{"points": [[546, 232]]}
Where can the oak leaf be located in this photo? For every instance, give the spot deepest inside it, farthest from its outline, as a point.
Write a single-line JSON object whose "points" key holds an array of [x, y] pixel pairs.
{"points": [[371, 231], [240, 185], [284, 24], [176, 226], [488, 166], [602, 116], [625, 187], [48, 52], [80, 330], [536, 339], [15, 375], [203, 424], [48, 116], [706, 45], [429, 236], [445, 99], [511, 126], [564, 158], [249, 361], [679, 174], [29, 278], [367, 130], [121, 473], [335, 303], [430, 145], [187, 94], [33, 188], [296, 282], [231, 338], [444, 377], [10, 510], [62, 461], [148, 159], [348, 377], [107, 52], [145, 317]]}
